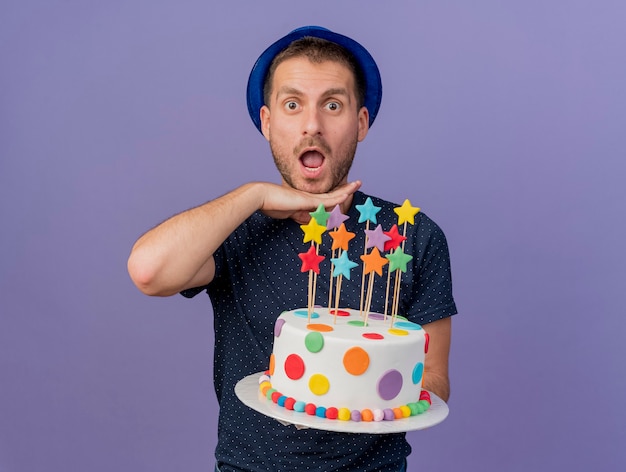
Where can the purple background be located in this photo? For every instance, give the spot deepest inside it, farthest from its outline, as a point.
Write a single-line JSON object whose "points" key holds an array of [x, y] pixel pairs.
{"points": [[504, 121]]}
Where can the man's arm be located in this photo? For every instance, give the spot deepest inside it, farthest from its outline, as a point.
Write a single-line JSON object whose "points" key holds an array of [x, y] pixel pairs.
{"points": [[178, 253], [436, 378]]}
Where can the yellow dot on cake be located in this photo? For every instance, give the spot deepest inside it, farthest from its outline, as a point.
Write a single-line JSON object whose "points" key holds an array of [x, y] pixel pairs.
{"points": [[398, 332], [319, 384]]}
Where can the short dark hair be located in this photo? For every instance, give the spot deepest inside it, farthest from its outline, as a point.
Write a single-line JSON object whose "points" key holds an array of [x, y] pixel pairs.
{"points": [[317, 50]]}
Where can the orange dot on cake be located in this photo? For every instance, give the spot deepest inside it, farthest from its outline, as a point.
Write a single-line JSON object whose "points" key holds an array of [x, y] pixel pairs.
{"points": [[324, 328], [356, 360]]}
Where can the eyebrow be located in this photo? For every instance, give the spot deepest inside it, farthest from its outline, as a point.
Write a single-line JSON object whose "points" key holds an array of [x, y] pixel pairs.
{"points": [[287, 90]]}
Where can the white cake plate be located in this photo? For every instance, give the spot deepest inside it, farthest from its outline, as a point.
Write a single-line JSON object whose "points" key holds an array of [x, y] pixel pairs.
{"points": [[247, 389]]}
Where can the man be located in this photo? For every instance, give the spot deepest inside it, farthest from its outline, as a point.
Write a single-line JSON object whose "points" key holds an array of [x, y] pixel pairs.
{"points": [[313, 95]]}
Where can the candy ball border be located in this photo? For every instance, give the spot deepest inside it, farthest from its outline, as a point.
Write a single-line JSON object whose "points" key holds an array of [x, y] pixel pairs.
{"points": [[343, 414]]}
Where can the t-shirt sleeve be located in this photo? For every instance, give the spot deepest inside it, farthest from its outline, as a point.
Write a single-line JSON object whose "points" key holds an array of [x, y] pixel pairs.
{"points": [[218, 257]]}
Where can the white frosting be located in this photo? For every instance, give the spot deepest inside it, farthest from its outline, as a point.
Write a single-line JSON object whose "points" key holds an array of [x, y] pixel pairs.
{"points": [[391, 366]]}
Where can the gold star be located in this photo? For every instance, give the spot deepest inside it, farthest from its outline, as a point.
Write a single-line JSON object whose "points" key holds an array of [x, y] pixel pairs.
{"points": [[406, 213]]}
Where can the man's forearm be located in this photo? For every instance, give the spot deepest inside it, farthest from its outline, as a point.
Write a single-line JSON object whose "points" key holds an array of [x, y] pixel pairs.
{"points": [[178, 253]]}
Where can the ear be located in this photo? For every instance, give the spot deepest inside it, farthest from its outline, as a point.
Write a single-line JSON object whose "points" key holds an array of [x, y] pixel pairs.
{"points": [[265, 121], [364, 123]]}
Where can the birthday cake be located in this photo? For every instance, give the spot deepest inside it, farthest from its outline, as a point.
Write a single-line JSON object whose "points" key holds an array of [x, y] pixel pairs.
{"points": [[350, 364], [343, 367]]}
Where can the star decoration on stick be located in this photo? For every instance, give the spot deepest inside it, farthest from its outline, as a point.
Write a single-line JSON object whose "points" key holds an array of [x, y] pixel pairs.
{"points": [[406, 213], [376, 237], [395, 238], [320, 215], [343, 265], [368, 211], [373, 262], [341, 238], [335, 218], [398, 260], [311, 260], [313, 231]]}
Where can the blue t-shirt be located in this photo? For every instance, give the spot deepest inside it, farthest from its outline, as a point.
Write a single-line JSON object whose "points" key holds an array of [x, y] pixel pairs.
{"points": [[257, 277]]}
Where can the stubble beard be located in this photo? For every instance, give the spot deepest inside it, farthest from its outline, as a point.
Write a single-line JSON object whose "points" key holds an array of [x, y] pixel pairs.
{"points": [[339, 171]]}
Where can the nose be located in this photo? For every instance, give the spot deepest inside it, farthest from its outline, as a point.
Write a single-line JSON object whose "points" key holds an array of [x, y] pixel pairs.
{"points": [[312, 125]]}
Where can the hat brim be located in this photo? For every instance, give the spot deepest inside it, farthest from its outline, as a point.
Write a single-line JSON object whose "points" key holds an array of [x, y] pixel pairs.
{"points": [[256, 81]]}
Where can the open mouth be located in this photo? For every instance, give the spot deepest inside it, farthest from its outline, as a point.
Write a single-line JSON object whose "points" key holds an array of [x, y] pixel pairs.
{"points": [[312, 160]]}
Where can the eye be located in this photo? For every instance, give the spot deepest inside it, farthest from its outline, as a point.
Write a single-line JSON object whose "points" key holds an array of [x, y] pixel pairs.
{"points": [[333, 106], [291, 105]]}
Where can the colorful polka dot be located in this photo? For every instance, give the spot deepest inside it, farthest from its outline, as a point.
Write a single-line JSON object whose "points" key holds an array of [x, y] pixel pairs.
{"points": [[319, 384], [314, 341], [398, 332], [426, 342], [339, 312], [418, 371], [305, 314], [278, 326], [356, 360], [389, 385], [357, 323], [272, 364], [373, 336], [324, 328], [294, 366], [407, 325]]}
